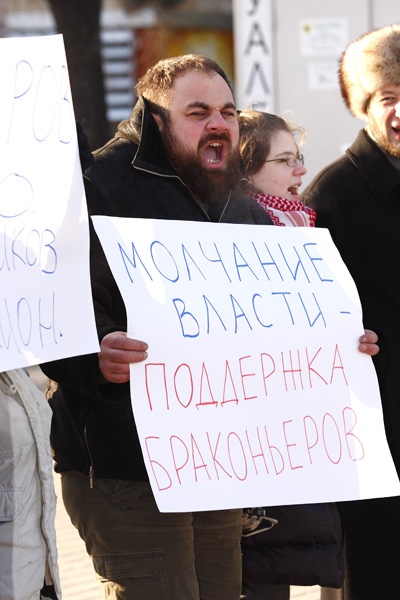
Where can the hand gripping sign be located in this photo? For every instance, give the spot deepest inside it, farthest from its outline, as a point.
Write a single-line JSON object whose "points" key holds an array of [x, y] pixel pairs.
{"points": [[254, 392]]}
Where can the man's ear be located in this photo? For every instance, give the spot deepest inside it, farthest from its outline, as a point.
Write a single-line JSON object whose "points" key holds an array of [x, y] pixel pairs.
{"points": [[159, 121]]}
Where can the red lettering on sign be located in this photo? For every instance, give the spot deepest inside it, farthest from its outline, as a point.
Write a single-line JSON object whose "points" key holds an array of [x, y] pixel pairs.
{"points": [[349, 432], [289, 446]]}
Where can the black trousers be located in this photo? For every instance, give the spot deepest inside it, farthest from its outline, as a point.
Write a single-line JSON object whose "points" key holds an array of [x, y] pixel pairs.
{"points": [[372, 548]]}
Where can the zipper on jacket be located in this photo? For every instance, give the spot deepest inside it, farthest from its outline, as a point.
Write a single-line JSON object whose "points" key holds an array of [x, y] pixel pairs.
{"points": [[187, 187], [91, 473], [91, 469]]}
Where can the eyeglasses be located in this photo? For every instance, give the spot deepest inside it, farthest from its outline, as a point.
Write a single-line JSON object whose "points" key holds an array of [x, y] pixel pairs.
{"points": [[291, 160]]}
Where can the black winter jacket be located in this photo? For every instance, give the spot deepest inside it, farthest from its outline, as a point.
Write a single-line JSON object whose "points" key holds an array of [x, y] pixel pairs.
{"points": [[303, 548], [358, 199], [93, 427]]}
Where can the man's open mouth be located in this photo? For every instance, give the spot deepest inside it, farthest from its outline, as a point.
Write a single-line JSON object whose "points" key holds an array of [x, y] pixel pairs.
{"points": [[212, 153]]}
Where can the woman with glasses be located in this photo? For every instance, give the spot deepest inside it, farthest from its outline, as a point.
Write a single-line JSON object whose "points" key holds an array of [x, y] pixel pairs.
{"points": [[273, 167], [302, 544]]}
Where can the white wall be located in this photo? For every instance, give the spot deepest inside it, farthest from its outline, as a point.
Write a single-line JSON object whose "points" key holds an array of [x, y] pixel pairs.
{"points": [[330, 126]]}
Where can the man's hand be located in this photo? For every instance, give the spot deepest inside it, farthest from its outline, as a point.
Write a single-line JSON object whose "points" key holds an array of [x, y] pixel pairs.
{"points": [[368, 343], [117, 351]]}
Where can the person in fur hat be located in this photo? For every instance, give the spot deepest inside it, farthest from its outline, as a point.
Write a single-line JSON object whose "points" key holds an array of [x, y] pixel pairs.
{"points": [[357, 198]]}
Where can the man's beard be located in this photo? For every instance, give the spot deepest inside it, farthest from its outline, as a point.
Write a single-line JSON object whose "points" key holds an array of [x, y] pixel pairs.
{"points": [[207, 185], [382, 140]]}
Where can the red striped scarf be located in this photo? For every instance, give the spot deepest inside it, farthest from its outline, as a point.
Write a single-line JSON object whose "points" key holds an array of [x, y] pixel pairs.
{"points": [[286, 213]]}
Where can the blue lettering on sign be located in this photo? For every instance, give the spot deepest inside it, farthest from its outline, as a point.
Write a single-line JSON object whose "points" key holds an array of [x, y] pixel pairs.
{"points": [[38, 97], [28, 323], [21, 247], [255, 267]]}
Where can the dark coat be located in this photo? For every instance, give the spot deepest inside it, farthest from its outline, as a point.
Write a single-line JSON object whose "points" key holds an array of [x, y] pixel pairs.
{"points": [[303, 548], [93, 427], [358, 199]]}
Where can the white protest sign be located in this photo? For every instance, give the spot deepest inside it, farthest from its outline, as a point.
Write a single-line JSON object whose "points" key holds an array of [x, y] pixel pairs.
{"points": [[46, 309], [254, 392]]}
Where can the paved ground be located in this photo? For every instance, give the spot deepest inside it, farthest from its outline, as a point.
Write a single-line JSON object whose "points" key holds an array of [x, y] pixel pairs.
{"points": [[76, 572], [77, 576]]}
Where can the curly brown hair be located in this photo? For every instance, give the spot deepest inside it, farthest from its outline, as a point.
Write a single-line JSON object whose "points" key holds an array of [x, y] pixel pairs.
{"points": [[256, 131]]}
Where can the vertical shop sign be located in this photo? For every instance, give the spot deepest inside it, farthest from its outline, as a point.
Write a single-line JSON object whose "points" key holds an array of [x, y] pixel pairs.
{"points": [[253, 54]]}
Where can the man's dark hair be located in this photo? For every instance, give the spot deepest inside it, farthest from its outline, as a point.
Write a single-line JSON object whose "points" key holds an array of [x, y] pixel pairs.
{"points": [[156, 84]]}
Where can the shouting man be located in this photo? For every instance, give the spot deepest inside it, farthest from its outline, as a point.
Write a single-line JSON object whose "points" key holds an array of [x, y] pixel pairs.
{"points": [[176, 157]]}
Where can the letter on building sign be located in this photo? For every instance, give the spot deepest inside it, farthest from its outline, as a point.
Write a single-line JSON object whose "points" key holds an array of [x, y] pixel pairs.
{"points": [[253, 58]]}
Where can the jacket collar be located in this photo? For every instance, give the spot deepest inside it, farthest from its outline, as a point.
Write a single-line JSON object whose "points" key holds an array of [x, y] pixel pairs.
{"points": [[374, 167], [141, 129]]}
